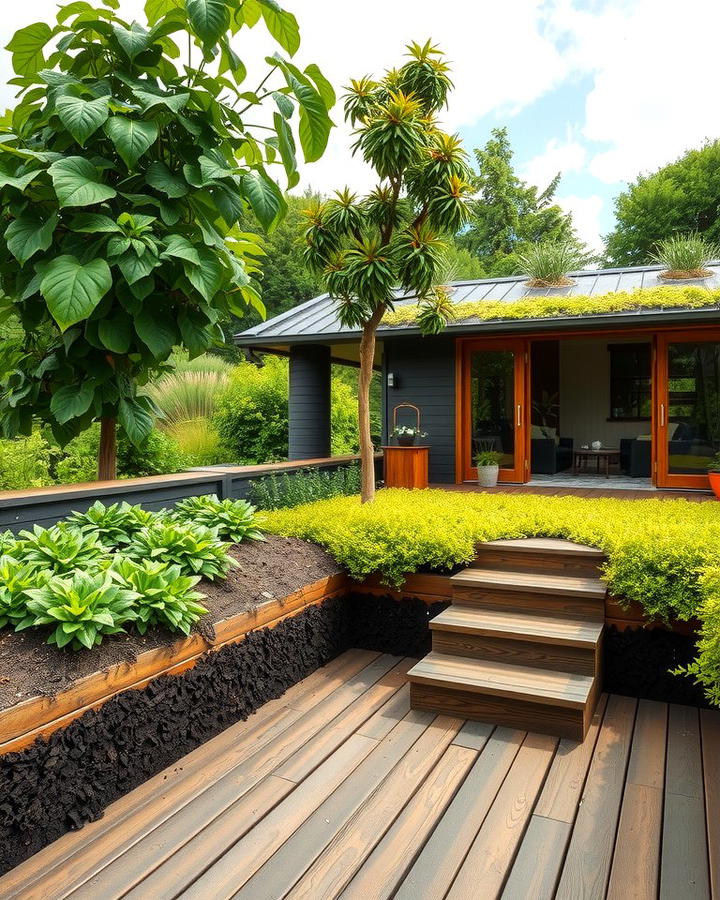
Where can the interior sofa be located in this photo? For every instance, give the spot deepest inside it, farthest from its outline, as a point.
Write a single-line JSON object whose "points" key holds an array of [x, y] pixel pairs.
{"points": [[548, 456]]}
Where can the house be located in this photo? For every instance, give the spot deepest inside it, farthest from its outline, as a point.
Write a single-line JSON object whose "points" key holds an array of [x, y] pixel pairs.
{"points": [[618, 357]]}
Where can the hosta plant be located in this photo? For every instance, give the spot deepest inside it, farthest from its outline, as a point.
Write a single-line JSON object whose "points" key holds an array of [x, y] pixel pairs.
{"points": [[114, 525], [133, 153], [80, 608], [195, 549], [60, 549], [233, 520], [15, 579], [165, 596]]}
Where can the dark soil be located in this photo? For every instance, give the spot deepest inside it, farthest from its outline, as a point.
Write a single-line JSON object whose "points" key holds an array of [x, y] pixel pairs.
{"points": [[268, 571]]}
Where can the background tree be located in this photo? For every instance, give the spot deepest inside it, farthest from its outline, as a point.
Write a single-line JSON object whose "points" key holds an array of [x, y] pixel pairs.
{"points": [[508, 215], [367, 247], [124, 171], [679, 198]]}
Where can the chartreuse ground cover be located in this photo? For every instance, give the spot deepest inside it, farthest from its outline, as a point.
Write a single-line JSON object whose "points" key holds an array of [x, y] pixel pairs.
{"points": [[538, 307], [662, 554]]}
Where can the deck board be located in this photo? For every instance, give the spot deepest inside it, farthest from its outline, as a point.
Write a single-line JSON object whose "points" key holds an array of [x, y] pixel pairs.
{"points": [[338, 789]]}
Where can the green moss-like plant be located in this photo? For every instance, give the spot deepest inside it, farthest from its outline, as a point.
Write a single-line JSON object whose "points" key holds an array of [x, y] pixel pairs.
{"points": [[694, 297]]}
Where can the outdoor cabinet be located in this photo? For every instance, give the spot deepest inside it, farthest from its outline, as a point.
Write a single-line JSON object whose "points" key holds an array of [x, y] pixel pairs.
{"points": [[406, 467]]}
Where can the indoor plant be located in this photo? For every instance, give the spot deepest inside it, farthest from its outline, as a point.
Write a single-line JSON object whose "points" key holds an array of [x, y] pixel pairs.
{"points": [[406, 434], [488, 466]]}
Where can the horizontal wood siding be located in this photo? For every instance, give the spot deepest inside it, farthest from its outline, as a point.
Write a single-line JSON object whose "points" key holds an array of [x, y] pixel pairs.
{"points": [[425, 373]]}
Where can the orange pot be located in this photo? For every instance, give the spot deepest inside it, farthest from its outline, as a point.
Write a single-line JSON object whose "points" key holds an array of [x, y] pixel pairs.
{"points": [[715, 483]]}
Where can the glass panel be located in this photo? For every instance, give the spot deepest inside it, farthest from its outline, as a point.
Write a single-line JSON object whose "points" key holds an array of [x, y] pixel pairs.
{"points": [[492, 404], [693, 406]]}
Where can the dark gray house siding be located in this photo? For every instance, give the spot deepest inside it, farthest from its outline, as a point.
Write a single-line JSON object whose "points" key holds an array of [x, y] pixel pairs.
{"points": [[425, 373]]}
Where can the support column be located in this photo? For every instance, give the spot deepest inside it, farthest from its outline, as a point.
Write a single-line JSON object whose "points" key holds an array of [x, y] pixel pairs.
{"points": [[309, 402]]}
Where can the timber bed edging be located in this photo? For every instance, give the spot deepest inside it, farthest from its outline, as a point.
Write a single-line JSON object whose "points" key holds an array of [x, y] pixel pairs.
{"points": [[41, 715]]}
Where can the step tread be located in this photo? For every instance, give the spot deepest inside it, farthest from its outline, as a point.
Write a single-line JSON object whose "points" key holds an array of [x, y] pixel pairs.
{"points": [[533, 582], [503, 679], [551, 546], [518, 626]]}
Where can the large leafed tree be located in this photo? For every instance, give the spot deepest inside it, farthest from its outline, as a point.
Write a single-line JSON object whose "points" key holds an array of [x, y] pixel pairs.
{"points": [[132, 154], [370, 248]]}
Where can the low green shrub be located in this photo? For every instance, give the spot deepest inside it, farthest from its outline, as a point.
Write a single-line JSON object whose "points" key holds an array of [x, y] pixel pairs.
{"points": [[694, 297], [705, 669], [25, 463], [305, 486], [15, 579], [115, 525], [233, 520], [163, 595], [195, 549], [81, 608], [59, 549]]}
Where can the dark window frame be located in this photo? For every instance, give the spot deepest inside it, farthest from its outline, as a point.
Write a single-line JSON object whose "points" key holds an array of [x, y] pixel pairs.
{"points": [[630, 392]]}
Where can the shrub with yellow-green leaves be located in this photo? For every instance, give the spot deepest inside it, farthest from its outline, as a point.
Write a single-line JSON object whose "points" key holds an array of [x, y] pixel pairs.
{"points": [[660, 553], [538, 307], [655, 548]]}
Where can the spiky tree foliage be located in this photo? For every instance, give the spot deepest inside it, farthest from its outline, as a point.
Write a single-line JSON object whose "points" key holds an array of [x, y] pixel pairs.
{"points": [[125, 167], [369, 247]]}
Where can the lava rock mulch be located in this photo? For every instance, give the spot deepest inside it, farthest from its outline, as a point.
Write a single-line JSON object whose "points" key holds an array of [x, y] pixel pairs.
{"points": [[67, 780]]}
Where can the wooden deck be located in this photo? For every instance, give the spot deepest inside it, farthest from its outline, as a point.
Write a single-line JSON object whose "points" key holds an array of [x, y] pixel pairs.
{"points": [[590, 493], [339, 789]]}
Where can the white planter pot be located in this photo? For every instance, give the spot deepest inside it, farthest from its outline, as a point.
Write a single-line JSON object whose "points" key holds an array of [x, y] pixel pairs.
{"points": [[487, 475]]}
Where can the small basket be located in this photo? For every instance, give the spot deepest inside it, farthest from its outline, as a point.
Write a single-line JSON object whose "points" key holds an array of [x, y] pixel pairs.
{"points": [[406, 440]]}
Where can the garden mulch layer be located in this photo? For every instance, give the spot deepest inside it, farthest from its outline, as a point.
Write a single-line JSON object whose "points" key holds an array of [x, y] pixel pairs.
{"points": [[268, 570]]}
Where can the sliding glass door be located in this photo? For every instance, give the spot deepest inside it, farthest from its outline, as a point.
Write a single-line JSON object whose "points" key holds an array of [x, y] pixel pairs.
{"points": [[494, 389], [688, 407]]}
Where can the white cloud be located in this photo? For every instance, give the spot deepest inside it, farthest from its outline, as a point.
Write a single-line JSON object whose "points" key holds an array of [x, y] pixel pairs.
{"points": [[558, 156], [586, 213]]}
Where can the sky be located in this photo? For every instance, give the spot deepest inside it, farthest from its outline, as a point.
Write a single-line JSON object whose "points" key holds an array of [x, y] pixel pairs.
{"points": [[600, 90]]}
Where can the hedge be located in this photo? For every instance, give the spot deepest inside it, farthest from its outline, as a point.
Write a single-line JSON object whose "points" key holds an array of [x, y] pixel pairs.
{"points": [[689, 297], [658, 551]]}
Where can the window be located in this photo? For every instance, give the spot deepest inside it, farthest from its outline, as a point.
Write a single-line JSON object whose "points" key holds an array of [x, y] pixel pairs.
{"points": [[630, 383]]}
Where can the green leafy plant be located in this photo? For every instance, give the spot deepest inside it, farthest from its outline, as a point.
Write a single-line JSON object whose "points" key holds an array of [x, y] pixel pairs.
{"points": [[233, 520], [115, 525], [60, 549], [306, 486], [81, 608], [664, 297], [16, 578], [547, 263], [488, 458], [407, 430], [365, 247], [196, 549], [163, 596], [124, 170], [25, 462], [685, 256]]}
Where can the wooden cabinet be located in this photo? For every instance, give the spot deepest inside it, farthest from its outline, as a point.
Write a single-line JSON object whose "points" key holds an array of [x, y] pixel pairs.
{"points": [[406, 467]]}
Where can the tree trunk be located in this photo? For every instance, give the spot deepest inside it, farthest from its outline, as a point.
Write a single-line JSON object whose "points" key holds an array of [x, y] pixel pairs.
{"points": [[367, 358], [107, 453]]}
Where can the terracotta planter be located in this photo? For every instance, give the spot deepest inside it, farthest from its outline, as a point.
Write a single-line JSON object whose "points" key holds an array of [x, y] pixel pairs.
{"points": [[488, 475], [715, 483]]}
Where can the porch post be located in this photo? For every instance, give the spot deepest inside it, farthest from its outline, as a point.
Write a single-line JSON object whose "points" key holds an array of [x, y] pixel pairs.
{"points": [[309, 402]]}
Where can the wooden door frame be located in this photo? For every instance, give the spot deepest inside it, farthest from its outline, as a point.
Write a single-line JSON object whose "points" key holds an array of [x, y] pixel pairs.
{"points": [[666, 479], [521, 347]]}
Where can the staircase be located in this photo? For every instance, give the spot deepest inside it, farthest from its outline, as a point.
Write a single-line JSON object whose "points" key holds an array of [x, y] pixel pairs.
{"points": [[521, 643]]}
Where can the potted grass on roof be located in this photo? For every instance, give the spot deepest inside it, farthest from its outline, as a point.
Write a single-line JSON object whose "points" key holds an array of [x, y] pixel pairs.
{"points": [[547, 263], [685, 257]]}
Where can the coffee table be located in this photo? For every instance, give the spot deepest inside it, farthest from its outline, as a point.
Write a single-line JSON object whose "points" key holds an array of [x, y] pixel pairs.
{"points": [[606, 455]]}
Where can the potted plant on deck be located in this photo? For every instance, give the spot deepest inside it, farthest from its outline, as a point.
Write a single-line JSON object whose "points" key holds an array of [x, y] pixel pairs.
{"points": [[406, 434], [714, 474], [488, 467]]}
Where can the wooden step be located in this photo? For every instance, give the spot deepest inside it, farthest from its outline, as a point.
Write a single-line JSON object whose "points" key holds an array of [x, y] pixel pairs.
{"points": [[546, 642], [511, 695], [548, 555], [559, 595]]}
